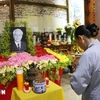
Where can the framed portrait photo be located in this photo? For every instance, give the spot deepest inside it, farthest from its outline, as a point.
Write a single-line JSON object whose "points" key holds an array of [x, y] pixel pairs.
{"points": [[18, 40]]}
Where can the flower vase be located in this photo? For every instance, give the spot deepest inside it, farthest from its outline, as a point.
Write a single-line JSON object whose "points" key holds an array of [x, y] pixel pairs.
{"points": [[69, 39]]}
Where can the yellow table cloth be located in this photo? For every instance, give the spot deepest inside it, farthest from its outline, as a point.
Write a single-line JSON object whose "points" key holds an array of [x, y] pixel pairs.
{"points": [[53, 92]]}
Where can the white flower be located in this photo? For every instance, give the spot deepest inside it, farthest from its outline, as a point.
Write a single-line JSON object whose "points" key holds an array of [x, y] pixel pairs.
{"points": [[30, 62], [3, 70], [27, 67]]}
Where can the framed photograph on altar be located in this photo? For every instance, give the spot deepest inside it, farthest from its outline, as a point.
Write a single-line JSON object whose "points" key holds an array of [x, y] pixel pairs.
{"points": [[18, 40]]}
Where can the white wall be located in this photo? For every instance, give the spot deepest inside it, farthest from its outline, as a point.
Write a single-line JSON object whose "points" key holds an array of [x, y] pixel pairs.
{"points": [[47, 23], [1, 27]]}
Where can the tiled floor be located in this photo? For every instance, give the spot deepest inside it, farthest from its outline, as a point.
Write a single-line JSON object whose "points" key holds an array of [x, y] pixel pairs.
{"points": [[68, 92]]}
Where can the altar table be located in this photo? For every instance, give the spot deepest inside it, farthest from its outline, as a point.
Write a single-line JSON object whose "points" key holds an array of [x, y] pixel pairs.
{"points": [[53, 92]]}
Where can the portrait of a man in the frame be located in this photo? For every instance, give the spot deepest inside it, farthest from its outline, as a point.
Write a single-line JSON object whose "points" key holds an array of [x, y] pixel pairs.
{"points": [[18, 43]]}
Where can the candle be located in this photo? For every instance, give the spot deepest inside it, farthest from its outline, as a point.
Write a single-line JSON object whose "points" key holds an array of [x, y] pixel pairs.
{"points": [[34, 39], [55, 36], [50, 37], [47, 81], [59, 37], [38, 40], [19, 75], [26, 86], [48, 43]]}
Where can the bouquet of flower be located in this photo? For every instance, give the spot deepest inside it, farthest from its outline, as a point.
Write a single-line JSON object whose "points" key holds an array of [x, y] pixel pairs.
{"points": [[63, 59], [8, 68], [76, 23], [59, 30], [44, 62], [62, 63], [50, 65], [69, 29]]}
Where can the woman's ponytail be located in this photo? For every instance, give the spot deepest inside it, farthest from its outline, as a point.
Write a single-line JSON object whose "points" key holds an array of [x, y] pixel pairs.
{"points": [[93, 28]]}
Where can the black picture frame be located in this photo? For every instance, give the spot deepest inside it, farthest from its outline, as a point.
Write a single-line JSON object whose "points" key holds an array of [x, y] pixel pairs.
{"points": [[23, 47]]}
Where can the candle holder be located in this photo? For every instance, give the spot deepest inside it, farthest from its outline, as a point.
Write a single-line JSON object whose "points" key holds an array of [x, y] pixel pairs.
{"points": [[19, 75], [26, 85], [27, 88], [47, 82]]}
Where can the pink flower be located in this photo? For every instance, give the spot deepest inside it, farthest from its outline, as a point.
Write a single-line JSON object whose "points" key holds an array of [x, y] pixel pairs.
{"points": [[2, 64]]}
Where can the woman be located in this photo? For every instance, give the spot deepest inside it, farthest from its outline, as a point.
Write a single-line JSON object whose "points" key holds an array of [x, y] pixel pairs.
{"points": [[86, 78]]}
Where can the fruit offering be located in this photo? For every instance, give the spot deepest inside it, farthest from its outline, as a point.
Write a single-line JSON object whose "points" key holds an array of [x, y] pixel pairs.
{"points": [[48, 43], [77, 49], [55, 42]]}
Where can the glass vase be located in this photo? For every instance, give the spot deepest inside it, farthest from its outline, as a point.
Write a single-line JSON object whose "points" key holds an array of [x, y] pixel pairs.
{"points": [[69, 39]]}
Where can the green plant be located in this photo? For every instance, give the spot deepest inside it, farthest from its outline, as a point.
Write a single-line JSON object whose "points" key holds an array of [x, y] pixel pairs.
{"points": [[9, 76], [53, 73], [70, 30], [51, 67], [5, 38]]}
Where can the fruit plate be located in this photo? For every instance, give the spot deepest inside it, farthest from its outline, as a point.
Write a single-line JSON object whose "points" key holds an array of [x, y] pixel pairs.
{"points": [[78, 54]]}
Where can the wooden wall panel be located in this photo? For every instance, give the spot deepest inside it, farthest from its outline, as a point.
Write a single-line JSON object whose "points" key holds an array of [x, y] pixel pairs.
{"points": [[89, 11], [97, 15]]}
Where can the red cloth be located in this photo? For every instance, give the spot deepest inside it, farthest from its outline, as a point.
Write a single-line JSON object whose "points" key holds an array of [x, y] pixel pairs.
{"points": [[8, 92], [58, 82], [3, 59], [40, 51]]}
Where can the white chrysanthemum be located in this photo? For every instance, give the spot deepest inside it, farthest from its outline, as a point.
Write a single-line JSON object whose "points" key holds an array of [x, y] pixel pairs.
{"points": [[15, 66], [30, 62], [3, 70]]}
